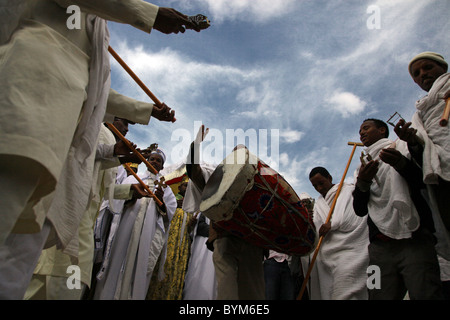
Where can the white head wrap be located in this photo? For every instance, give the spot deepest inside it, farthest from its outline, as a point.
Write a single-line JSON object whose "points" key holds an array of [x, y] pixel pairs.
{"points": [[161, 153]]}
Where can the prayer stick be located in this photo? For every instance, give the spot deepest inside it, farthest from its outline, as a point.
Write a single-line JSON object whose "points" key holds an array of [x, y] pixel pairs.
{"points": [[134, 76], [143, 184], [445, 115], [330, 213], [140, 156]]}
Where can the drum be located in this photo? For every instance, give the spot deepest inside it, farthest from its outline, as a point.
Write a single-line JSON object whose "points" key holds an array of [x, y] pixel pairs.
{"points": [[249, 200]]}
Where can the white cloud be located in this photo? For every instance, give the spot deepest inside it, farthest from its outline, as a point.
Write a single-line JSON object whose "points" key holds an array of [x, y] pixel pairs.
{"points": [[346, 103], [259, 11], [311, 65], [291, 136], [296, 169]]}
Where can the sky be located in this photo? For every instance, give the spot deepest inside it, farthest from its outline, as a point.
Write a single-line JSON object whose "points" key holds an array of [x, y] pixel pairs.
{"points": [[291, 79]]}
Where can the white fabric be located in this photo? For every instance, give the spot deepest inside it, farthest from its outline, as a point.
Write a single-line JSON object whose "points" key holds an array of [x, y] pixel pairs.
{"points": [[390, 205], [279, 257], [67, 83], [436, 155], [444, 266], [191, 203], [343, 258], [200, 280], [54, 262], [132, 260]]}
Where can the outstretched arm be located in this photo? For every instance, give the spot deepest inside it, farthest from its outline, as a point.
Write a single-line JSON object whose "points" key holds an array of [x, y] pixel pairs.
{"points": [[193, 169]]}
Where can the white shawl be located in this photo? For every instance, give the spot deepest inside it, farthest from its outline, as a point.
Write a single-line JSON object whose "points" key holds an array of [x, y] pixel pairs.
{"points": [[390, 205], [436, 155], [78, 168]]}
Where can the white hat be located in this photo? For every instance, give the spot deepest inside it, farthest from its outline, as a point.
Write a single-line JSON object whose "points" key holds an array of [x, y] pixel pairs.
{"points": [[428, 55]]}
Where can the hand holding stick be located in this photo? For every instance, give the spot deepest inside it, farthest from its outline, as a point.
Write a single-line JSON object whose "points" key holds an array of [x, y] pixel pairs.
{"points": [[140, 156], [127, 167], [445, 115]]}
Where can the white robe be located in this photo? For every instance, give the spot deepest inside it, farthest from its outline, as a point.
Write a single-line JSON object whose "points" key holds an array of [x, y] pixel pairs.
{"points": [[53, 120], [390, 205], [54, 262], [138, 243], [200, 281], [436, 155], [341, 265]]}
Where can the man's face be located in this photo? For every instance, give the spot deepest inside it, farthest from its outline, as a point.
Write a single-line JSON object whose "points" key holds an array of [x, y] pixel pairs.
{"points": [[425, 72], [156, 161], [321, 183], [369, 133]]}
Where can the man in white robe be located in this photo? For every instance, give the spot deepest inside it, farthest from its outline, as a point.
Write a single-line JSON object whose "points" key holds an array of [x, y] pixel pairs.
{"points": [[343, 257], [55, 88], [429, 142], [139, 242], [50, 275], [389, 191]]}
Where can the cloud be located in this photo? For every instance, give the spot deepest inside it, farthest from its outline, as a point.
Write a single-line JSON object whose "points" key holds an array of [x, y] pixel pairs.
{"points": [[291, 136], [248, 92], [222, 10], [295, 169], [313, 70], [346, 103]]}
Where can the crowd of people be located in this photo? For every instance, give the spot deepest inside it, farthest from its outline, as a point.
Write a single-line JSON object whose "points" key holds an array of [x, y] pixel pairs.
{"points": [[82, 222]]}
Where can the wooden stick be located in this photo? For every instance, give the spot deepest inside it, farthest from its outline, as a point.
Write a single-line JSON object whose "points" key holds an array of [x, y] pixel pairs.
{"points": [[445, 115], [129, 145], [330, 213], [134, 76], [143, 184]]}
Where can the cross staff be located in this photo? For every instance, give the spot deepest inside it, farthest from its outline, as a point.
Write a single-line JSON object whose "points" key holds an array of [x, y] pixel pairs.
{"points": [[330, 213], [137, 153], [161, 183], [143, 184]]}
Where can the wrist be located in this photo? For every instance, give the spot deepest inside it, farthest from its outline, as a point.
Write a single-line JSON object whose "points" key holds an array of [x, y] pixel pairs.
{"points": [[363, 185]]}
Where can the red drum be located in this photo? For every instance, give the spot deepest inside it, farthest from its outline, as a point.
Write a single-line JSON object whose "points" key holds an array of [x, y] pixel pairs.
{"points": [[250, 200]]}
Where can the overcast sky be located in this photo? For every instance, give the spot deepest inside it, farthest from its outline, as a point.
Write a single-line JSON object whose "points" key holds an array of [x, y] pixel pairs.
{"points": [[296, 77]]}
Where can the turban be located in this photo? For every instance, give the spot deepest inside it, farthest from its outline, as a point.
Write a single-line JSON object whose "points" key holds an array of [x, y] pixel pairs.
{"points": [[428, 55], [161, 154]]}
